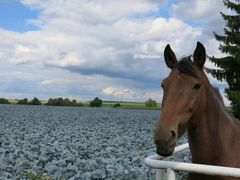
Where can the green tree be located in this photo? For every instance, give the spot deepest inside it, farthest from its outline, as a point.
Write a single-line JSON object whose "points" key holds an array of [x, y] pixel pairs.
{"points": [[96, 102], [151, 103], [117, 105], [35, 101], [75, 103], [56, 101], [62, 102], [49, 102], [4, 101], [59, 101], [230, 64], [23, 101], [67, 102]]}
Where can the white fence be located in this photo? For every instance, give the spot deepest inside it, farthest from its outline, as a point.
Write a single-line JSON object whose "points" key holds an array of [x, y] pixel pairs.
{"points": [[157, 162]]}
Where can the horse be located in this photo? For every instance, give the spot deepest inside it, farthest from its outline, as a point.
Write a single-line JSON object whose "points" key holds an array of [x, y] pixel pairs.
{"points": [[191, 104]]}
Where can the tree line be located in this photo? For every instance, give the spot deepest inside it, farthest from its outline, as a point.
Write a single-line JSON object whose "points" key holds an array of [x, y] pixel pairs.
{"points": [[34, 101], [51, 102], [96, 102], [63, 102]]}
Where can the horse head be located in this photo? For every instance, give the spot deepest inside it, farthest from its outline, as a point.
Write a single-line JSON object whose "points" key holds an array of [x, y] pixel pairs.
{"points": [[182, 89]]}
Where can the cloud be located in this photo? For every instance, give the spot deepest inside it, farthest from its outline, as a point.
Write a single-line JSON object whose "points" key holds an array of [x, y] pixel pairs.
{"points": [[117, 47], [206, 14], [108, 91], [119, 93], [196, 9], [92, 12], [87, 48]]}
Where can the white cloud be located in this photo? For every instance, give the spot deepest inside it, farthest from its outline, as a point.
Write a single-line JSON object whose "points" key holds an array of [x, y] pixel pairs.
{"points": [[108, 90], [119, 93], [203, 13], [101, 48], [69, 59], [87, 48], [53, 82], [90, 12], [197, 9]]}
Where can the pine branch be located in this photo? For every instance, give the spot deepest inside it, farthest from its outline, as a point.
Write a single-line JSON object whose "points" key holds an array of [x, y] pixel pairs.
{"points": [[230, 49], [232, 5], [233, 95], [232, 21], [223, 62], [232, 37], [220, 38], [217, 73]]}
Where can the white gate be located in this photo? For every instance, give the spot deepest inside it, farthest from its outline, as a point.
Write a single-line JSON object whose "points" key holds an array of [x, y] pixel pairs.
{"points": [[161, 166]]}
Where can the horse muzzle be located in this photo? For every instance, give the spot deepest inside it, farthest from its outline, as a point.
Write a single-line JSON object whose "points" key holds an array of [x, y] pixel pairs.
{"points": [[165, 146]]}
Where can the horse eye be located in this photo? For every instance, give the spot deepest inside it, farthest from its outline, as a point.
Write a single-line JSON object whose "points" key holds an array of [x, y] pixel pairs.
{"points": [[162, 85], [197, 86]]}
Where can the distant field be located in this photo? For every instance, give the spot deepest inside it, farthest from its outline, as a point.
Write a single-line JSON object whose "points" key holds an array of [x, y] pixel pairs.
{"points": [[129, 105], [110, 104], [13, 101]]}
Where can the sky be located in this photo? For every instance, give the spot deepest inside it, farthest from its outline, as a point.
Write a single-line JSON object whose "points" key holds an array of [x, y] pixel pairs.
{"points": [[111, 49]]}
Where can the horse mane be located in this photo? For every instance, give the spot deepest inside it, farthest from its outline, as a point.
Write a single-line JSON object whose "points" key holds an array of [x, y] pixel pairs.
{"points": [[185, 66], [217, 92]]}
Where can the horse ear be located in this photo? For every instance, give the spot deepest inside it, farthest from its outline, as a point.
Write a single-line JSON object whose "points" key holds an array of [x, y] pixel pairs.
{"points": [[170, 57], [199, 55]]}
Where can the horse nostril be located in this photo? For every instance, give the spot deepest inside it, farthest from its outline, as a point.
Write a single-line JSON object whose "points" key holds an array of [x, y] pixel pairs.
{"points": [[173, 133]]}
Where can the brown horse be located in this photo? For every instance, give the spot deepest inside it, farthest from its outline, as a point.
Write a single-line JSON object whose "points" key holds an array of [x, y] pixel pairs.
{"points": [[191, 103]]}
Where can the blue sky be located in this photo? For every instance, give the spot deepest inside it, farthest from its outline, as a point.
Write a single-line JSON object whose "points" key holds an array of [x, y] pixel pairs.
{"points": [[110, 49], [14, 16]]}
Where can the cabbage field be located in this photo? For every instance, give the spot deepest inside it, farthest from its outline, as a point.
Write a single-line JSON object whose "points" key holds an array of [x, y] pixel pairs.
{"points": [[75, 143]]}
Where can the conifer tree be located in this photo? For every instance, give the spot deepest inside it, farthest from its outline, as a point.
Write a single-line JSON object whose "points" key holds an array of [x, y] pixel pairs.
{"points": [[230, 64]]}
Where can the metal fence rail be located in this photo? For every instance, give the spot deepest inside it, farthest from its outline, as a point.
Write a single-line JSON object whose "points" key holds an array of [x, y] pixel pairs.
{"points": [[157, 162]]}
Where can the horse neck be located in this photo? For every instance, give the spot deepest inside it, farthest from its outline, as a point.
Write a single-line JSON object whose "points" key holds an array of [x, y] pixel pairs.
{"points": [[205, 128]]}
